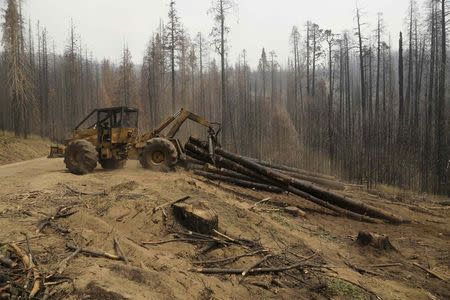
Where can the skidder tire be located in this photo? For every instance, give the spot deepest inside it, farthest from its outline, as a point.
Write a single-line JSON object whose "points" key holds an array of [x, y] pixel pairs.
{"points": [[112, 164], [81, 157], [159, 155]]}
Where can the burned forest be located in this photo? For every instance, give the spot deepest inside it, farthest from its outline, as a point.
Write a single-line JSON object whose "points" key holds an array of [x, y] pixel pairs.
{"points": [[204, 164]]}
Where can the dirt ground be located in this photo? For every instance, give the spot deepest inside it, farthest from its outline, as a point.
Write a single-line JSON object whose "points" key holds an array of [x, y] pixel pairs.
{"points": [[119, 204]]}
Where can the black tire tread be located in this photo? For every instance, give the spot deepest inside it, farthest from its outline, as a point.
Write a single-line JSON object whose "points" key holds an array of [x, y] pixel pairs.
{"points": [[164, 145], [88, 161]]}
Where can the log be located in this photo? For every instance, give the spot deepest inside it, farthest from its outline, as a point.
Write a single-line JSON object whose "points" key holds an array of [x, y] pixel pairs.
{"points": [[221, 171], [192, 161], [240, 182], [318, 192], [303, 174], [291, 169], [240, 169], [336, 209], [196, 216], [222, 162], [332, 184]]}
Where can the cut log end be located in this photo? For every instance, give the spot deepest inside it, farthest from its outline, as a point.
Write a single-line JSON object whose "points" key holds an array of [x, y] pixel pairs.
{"points": [[196, 216]]}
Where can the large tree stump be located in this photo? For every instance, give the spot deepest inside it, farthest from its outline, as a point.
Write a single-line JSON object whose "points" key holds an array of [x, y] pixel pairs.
{"points": [[378, 241], [196, 216]]}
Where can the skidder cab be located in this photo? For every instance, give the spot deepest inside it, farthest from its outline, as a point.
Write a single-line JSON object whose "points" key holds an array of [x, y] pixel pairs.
{"points": [[104, 136]]}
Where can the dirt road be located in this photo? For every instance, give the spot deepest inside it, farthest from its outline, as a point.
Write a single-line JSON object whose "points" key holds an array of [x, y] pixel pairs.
{"points": [[119, 204]]}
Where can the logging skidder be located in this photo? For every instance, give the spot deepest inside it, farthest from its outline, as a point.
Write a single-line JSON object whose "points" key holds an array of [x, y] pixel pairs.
{"points": [[110, 136]]}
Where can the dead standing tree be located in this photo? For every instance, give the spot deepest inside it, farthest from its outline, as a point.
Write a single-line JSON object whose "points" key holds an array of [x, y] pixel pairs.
{"points": [[19, 81], [330, 38], [363, 88], [442, 153], [294, 107], [172, 39], [125, 89], [220, 10], [200, 42], [317, 37]]}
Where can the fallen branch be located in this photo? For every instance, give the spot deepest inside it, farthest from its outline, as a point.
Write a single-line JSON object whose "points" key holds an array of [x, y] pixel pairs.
{"points": [[65, 263], [255, 271], [361, 270], [75, 191], [29, 264], [228, 259], [95, 253], [385, 265], [178, 240], [119, 251], [432, 273], [133, 241], [61, 212], [259, 202], [170, 203], [254, 265], [224, 236]]}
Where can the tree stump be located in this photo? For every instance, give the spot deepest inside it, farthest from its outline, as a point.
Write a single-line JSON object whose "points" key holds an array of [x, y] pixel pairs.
{"points": [[196, 216], [378, 241]]}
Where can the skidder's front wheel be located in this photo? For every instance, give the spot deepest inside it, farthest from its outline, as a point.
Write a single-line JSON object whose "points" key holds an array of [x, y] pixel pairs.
{"points": [[81, 157], [159, 155]]}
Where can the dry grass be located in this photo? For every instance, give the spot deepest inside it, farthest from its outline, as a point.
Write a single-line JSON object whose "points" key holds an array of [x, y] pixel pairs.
{"points": [[14, 149]]}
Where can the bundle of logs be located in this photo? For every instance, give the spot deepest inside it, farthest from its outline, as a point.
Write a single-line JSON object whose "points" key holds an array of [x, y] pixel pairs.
{"points": [[250, 173]]}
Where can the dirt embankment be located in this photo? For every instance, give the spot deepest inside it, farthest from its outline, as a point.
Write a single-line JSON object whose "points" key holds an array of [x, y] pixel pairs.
{"points": [[14, 149]]}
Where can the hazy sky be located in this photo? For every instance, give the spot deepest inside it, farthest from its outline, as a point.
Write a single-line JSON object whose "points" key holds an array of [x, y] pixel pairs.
{"points": [[105, 25]]}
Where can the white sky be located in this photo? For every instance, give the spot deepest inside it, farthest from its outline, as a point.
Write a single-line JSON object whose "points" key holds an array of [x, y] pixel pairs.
{"points": [[105, 25]]}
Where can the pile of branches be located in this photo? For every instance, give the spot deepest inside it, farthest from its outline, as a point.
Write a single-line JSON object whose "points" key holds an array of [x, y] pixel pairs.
{"points": [[285, 263], [249, 173], [208, 241], [19, 276]]}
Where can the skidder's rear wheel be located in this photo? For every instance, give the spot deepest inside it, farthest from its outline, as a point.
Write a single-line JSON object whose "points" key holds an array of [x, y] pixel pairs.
{"points": [[112, 164], [81, 157], [159, 155]]}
